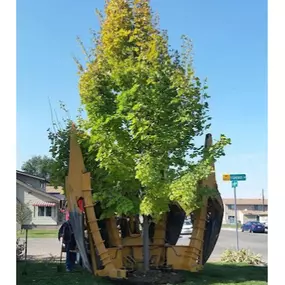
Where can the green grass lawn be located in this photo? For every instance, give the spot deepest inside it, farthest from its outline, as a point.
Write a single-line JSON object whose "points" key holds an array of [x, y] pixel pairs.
{"points": [[228, 274], [35, 233], [230, 226], [213, 274]]}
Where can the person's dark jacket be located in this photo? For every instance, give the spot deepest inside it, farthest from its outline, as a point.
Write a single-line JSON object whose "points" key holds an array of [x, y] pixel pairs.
{"points": [[67, 235]]}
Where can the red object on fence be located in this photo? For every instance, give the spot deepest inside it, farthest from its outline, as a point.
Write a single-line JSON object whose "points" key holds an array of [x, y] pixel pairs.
{"points": [[80, 204]]}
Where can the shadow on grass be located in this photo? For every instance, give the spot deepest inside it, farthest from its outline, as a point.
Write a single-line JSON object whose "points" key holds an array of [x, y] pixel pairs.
{"points": [[221, 273], [51, 273]]}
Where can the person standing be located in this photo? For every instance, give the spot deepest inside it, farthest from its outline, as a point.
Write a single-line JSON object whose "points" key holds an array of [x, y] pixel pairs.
{"points": [[66, 233]]}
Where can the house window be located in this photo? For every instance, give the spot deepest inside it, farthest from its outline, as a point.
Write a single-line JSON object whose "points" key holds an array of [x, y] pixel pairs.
{"points": [[231, 219], [44, 211], [42, 185], [258, 207], [48, 211], [41, 211], [231, 207]]}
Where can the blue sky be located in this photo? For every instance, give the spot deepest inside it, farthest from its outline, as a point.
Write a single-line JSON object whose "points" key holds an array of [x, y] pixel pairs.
{"points": [[230, 49]]}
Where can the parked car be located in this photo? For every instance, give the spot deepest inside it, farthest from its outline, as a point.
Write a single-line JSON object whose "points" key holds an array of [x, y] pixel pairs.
{"points": [[187, 228], [253, 227], [266, 227]]}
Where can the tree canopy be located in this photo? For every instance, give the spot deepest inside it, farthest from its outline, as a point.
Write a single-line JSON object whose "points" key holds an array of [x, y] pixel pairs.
{"points": [[103, 185], [145, 106]]}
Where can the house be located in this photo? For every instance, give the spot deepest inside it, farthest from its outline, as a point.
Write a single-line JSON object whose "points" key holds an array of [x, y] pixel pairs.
{"points": [[44, 207], [247, 210]]}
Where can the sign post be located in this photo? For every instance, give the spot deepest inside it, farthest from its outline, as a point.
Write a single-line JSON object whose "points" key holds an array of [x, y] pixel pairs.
{"points": [[234, 185], [26, 227], [234, 178]]}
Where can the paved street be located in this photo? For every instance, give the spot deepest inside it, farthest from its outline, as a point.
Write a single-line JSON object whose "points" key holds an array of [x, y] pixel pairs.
{"points": [[257, 243], [46, 247]]}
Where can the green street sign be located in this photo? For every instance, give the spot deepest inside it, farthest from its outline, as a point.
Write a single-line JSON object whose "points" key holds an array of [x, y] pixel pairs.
{"points": [[234, 184], [237, 177]]}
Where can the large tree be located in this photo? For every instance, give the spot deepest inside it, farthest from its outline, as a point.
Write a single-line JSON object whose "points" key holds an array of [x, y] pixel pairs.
{"points": [[39, 166], [145, 107]]}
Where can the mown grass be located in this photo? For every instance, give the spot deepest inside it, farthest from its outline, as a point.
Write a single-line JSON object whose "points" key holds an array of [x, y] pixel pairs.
{"points": [[52, 233], [228, 274], [232, 226], [213, 274], [35, 233]]}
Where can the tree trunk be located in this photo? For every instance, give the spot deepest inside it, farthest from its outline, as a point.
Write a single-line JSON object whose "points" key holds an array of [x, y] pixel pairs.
{"points": [[146, 242]]}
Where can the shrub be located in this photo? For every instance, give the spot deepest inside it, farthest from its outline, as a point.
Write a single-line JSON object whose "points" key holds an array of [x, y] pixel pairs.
{"points": [[20, 248], [241, 256]]}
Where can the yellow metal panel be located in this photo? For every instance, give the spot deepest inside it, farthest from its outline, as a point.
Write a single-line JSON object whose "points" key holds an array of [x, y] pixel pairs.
{"points": [[191, 256], [92, 253], [159, 239], [138, 253], [132, 241], [79, 185], [116, 255], [179, 252], [157, 255]]}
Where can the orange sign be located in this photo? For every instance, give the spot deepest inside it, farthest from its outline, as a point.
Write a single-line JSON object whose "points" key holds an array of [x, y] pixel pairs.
{"points": [[226, 177]]}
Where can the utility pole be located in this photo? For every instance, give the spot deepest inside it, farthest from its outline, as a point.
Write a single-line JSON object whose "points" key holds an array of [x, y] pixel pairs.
{"points": [[263, 206]]}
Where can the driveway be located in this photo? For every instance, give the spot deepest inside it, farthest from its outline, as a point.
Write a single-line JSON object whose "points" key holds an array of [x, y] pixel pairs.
{"points": [[41, 248]]}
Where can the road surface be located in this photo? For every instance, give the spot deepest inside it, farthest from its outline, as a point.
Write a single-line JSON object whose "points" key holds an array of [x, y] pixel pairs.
{"points": [[257, 243]]}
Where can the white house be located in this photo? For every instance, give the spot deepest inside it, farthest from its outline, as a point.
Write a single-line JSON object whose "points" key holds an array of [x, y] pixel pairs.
{"points": [[45, 207]]}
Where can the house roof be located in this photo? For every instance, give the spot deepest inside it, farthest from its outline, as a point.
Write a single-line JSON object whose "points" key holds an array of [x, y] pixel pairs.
{"points": [[246, 201], [57, 195], [39, 192], [253, 213], [51, 189], [30, 175]]}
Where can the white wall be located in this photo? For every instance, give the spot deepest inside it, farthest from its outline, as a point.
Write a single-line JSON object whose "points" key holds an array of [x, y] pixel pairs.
{"points": [[24, 195], [228, 213], [263, 219]]}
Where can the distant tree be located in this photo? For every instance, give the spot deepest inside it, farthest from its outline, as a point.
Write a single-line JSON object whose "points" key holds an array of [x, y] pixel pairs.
{"points": [[39, 166], [23, 213]]}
